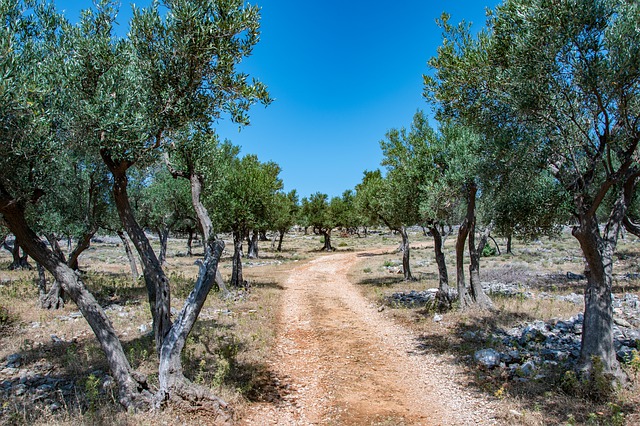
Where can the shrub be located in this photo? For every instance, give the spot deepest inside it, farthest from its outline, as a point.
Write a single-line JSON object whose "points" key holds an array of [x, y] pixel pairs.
{"points": [[488, 251]]}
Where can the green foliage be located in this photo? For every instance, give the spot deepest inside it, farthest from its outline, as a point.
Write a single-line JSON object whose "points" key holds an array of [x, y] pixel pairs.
{"points": [[316, 212], [244, 196], [92, 391], [5, 318], [488, 250], [165, 203], [284, 213], [595, 384]]}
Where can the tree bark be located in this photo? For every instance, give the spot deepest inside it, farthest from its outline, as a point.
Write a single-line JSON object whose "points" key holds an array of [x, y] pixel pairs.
{"points": [[478, 295], [326, 233], [173, 384], [19, 261], [597, 329], [280, 238], [509, 242], [190, 243], [631, 227], [163, 237], [42, 282], [443, 296], [252, 243], [463, 233], [132, 260], [55, 298], [406, 251], [83, 243], [133, 392], [156, 281], [237, 280]]}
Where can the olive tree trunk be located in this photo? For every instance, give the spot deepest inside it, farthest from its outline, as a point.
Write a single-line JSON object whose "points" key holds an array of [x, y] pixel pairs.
{"points": [[163, 237], [156, 281], [463, 232], [443, 296], [280, 238], [173, 385], [326, 234], [252, 245], [237, 280], [478, 295], [406, 252]]}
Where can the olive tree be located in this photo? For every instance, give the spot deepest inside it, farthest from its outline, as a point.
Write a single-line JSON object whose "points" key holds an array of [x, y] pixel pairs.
{"points": [[560, 82], [316, 212], [81, 88]]}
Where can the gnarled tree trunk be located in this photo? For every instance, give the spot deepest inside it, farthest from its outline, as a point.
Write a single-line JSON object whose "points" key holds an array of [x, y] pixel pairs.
{"points": [[463, 232], [444, 292], [509, 244], [156, 281], [326, 233], [280, 238], [173, 384], [478, 295], [252, 245], [190, 243], [236, 270], [19, 261], [163, 237], [406, 252]]}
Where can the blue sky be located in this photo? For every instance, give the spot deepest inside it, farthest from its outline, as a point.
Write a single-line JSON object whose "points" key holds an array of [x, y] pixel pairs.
{"points": [[342, 74]]}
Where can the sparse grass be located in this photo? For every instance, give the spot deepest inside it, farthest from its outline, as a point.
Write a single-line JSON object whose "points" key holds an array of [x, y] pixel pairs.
{"points": [[228, 348]]}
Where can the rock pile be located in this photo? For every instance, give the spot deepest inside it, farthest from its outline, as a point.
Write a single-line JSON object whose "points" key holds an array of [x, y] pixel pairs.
{"points": [[413, 299], [527, 350], [38, 385], [530, 349]]}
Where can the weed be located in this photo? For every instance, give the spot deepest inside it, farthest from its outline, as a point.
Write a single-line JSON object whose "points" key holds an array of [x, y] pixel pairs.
{"points": [[596, 385], [5, 318], [367, 270], [92, 391]]}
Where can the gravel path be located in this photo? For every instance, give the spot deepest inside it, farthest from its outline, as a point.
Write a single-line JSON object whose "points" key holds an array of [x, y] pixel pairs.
{"points": [[341, 362]]}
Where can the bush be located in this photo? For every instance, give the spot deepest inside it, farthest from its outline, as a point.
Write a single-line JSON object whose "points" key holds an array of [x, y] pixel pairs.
{"points": [[488, 251]]}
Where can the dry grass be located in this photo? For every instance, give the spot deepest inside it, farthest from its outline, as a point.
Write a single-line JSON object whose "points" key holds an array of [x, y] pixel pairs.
{"points": [[232, 341]]}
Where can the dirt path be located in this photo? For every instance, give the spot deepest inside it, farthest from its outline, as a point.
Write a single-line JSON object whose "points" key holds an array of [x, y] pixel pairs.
{"points": [[341, 362]]}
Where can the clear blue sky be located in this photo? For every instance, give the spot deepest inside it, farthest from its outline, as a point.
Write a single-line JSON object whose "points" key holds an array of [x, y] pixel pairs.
{"points": [[342, 74]]}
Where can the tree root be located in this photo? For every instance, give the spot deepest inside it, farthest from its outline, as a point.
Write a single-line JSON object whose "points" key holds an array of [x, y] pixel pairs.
{"points": [[193, 397], [137, 396]]}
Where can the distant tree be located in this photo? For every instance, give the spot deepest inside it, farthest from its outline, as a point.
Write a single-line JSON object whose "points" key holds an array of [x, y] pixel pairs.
{"points": [[241, 202], [527, 205], [284, 214], [166, 206], [345, 211], [388, 200], [316, 213]]}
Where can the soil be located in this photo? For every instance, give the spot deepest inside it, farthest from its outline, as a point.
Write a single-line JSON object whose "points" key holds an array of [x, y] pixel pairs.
{"points": [[340, 360]]}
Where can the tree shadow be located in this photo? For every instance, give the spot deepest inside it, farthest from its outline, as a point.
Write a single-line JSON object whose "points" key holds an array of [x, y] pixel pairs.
{"points": [[388, 281], [370, 254], [267, 284]]}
